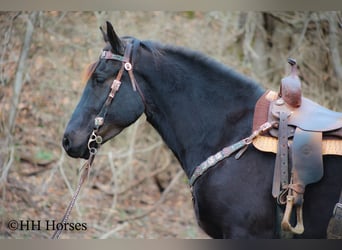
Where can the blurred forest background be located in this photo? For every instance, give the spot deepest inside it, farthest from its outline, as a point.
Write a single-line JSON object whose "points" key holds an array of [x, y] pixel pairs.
{"points": [[136, 188]]}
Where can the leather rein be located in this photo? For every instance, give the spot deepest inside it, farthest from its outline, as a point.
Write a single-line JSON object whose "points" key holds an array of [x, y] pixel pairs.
{"points": [[95, 140]]}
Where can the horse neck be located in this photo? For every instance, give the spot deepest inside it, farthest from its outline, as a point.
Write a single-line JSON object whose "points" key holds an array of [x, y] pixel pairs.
{"points": [[198, 106]]}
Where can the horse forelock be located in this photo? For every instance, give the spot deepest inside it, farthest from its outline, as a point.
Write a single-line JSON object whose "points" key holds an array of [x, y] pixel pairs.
{"points": [[88, 71]]}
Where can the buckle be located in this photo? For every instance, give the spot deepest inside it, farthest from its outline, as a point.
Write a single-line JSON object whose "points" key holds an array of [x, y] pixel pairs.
{"points": [[99, 121], [116, 85], [104, 54]]}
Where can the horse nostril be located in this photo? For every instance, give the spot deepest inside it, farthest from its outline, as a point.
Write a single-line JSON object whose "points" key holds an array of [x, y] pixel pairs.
{"points": [[66, 143]]}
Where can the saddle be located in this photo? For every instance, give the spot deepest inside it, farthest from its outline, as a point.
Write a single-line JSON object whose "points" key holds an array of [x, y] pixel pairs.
{"points": [[304, 131]]}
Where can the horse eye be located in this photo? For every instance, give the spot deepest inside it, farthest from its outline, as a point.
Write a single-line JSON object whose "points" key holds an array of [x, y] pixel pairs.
{"points": [[98, 77]]}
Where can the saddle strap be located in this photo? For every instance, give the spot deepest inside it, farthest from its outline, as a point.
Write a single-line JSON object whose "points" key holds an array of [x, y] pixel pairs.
{"points": [[281, 169]]}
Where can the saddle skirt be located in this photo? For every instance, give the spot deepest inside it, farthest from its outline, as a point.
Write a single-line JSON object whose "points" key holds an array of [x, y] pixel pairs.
{"points": [[310, 116]]}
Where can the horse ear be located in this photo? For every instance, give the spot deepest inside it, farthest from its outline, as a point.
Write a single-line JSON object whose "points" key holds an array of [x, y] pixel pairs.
{"points": [[105, 37], [113, 39]]}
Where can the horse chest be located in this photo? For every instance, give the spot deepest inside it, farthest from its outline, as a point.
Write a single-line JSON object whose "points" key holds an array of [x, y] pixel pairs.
{"points": [[226, 204]]}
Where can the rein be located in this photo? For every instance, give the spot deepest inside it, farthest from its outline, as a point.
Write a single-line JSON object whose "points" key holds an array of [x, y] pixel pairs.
{"points": [[95, 140]]}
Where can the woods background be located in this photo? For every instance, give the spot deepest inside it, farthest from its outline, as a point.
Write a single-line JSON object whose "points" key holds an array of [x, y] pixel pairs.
{"points": [[136, 188]]}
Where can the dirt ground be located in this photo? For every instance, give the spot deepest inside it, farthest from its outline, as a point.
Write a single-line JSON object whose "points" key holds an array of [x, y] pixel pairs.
{"points": [[136, 188]]}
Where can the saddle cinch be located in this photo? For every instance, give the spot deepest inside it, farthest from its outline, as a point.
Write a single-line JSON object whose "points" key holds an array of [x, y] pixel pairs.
{"points": [[304, 131]]}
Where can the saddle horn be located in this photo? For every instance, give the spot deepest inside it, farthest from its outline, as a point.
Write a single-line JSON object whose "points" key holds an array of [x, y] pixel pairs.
{"points": [[290, 89]]}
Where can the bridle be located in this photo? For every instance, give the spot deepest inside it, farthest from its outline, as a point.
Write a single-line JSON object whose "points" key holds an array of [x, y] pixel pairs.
{"points": [[95, 140], [126, 65]]}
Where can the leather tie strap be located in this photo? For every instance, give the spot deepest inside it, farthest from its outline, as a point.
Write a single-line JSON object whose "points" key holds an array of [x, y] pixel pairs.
{"points": [[281, 176]]}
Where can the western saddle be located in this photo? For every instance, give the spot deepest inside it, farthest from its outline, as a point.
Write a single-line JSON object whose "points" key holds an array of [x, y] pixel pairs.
{"points": [[304, 132]]}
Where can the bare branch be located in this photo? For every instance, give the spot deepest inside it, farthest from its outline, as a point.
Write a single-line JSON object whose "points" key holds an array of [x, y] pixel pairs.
{"points": [[6, 168], [6, 40], [161, 199], [333, 43], [18, 83]]}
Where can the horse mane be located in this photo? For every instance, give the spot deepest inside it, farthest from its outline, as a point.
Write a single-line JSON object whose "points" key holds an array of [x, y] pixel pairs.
{"points": [[158, 50]]}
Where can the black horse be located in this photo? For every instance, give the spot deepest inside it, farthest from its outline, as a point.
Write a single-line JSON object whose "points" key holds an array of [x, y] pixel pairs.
{"points": [[198, 106]]}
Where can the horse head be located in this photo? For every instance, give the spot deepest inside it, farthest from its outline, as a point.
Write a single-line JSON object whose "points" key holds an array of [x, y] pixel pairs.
{"points": [[107, 77]]}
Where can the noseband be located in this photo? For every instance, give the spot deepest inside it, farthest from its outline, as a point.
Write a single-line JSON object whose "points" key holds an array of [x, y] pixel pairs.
{"points": [[126, 65]]}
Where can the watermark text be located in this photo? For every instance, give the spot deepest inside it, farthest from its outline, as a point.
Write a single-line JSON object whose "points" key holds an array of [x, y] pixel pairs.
{"points": [[48, 225]]}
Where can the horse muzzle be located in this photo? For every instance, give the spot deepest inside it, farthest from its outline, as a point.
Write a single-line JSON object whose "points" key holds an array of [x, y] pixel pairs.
{"points": [[74, 147]]}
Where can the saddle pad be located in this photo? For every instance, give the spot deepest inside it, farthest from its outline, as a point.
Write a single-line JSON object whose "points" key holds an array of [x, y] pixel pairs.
{"points": [[270, 144]]}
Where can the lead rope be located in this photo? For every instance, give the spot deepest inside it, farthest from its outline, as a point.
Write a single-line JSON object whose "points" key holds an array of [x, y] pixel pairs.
{"points": [[94, 138], [85, 173]]}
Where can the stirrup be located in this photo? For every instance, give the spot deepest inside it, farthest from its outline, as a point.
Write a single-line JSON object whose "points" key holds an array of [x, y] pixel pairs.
{"points": [[285, 224]]}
